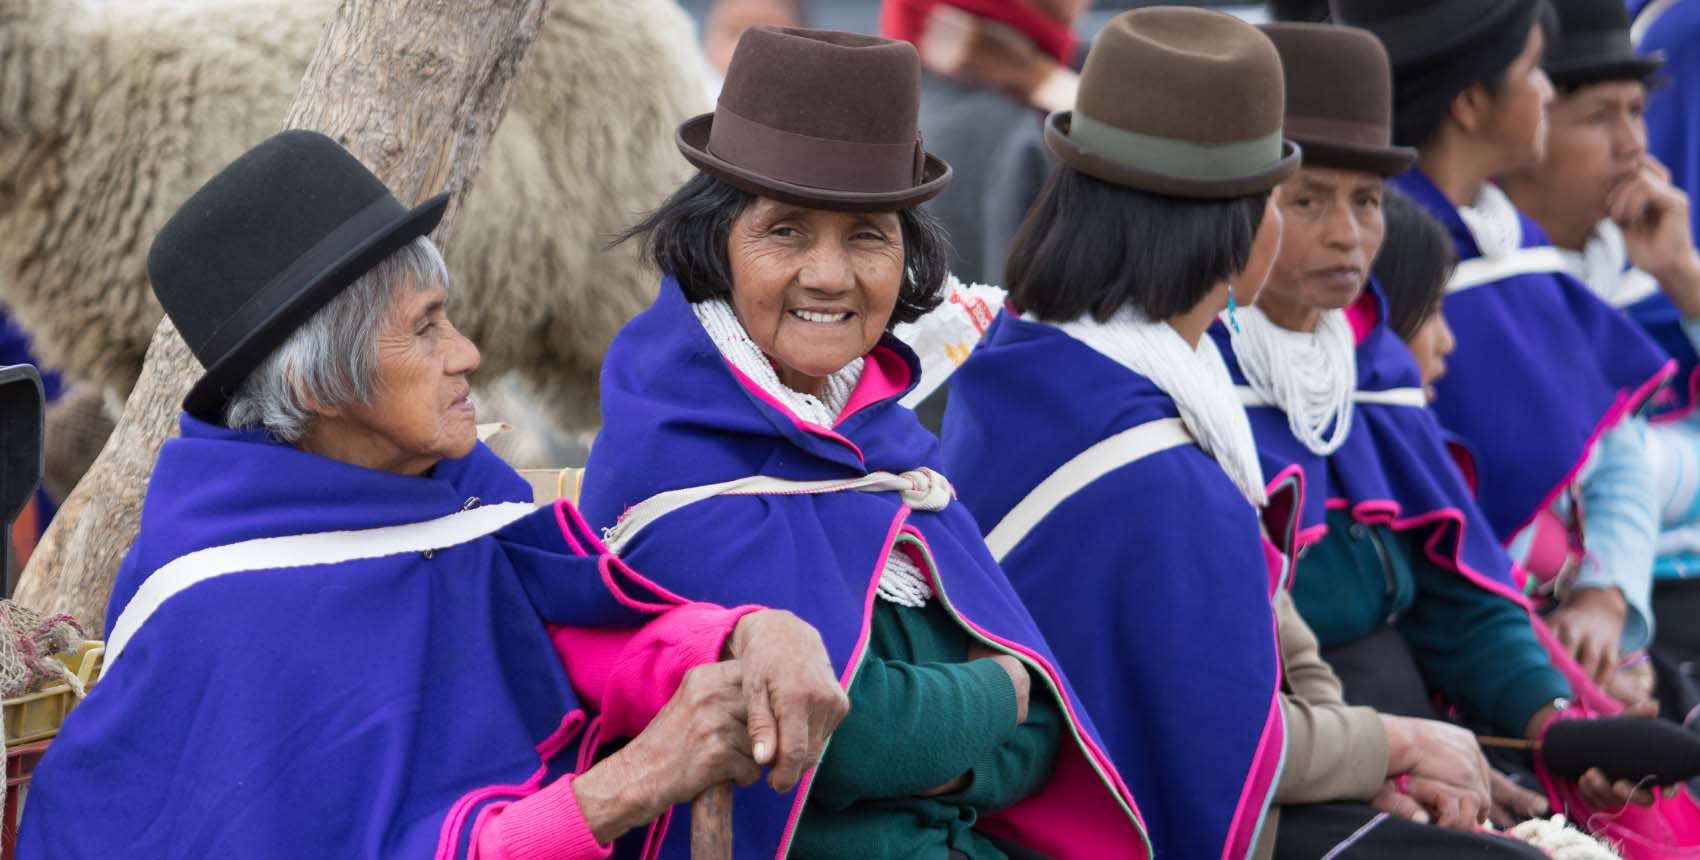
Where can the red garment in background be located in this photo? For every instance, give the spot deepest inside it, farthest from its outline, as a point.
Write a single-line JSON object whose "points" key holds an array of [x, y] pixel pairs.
{"points": [[907, 20]]}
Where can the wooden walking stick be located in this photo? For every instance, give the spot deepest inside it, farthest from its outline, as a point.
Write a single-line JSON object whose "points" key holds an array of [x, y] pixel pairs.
{"points": [[711, 823]]}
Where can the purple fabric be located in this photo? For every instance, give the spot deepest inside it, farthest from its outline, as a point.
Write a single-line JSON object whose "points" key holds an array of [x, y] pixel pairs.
{"points": [[676, 416], [1663, 323], [348, 710], [1542, 367], [1393, 468], [1152, 583]]}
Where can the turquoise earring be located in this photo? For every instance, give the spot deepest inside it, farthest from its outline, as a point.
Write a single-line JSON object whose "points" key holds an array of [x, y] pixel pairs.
{"points": [[1233, 321]]}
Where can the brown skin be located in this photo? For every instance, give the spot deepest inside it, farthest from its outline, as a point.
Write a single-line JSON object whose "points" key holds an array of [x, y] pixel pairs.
{"points": [[788, 260], [1484, 136], [420, 413], [1597, 166], [775, 703], [1431, 345], [1333, 229]]}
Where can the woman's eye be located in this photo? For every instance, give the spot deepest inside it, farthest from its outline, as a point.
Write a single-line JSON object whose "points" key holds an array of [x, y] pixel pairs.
{"points": [[782, 231]]}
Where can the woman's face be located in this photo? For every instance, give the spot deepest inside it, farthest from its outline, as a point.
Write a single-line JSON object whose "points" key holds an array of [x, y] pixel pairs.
{"points": [[1432, 344], [420, 412], [814, 289], [1332, 231], [1264, 249], [1517, 124]]}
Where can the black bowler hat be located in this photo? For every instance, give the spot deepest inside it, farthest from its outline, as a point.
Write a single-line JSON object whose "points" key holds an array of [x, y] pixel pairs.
{"points": [[1593, 45], [266, 243], [1438, 48]]}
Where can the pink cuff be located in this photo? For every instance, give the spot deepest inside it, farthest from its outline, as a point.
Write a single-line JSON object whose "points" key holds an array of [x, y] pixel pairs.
{"points": [[630, 674], [545, 826]]}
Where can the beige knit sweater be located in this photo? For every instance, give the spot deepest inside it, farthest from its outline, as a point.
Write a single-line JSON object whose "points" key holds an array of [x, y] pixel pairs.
{"points": [[1334, 751]]}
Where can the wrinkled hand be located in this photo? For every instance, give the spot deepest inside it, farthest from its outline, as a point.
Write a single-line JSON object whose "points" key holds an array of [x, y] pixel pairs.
{"points": [[698, 739], [1590, 624], [1017, 672], [1654, 216], [791, 692], [1511, 802], [1603, 795]]}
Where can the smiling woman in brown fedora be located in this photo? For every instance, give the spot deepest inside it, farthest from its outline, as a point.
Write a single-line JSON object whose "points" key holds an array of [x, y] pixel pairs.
{"points": [[754, 444], [1096, 436]]}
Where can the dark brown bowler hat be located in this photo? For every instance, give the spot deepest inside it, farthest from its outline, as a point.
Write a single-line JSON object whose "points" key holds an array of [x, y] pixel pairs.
{"points": [[1178, 101], [819, 118], [1339, 97]]}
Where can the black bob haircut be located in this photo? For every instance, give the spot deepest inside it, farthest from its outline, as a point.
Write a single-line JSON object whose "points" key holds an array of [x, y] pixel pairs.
{"points": [[1090, 247], [1414, 265], [687, 236]]}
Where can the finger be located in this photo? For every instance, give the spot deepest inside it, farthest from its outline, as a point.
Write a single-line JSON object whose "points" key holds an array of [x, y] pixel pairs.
{"points": [[1401, 805], [763, 731], [1654, 166], [793, 719], [1609, 658]]}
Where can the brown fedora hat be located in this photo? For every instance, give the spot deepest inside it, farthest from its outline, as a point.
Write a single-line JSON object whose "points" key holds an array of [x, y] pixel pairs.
{"points": [[1340, 97], [819, 118], [1178, 101]]}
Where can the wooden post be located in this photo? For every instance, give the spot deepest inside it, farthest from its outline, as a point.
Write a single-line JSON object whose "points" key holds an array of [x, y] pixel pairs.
{"points": [[415, 88], [711, 823]]}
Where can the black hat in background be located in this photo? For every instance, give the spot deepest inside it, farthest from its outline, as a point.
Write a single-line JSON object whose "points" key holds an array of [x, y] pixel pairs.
{"points": [[264, 244], [1439, 48], [1593, 45]]}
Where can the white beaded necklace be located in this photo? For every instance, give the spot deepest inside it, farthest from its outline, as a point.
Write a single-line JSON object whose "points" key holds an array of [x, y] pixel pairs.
{"points": [[1309, 375]]}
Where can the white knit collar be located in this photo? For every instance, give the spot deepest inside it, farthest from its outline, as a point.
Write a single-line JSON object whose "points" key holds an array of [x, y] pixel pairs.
{"points": [[1603, 264], [1493, 222], [1308, 375], [735, 344], [1196, 379]]}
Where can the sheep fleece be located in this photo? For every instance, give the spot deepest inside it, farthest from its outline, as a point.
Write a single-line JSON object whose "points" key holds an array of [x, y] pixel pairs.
{"points": [[113, 111]]}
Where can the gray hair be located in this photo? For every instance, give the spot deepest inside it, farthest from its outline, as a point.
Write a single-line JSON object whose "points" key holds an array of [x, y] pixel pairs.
{"points": [[332, 360]]}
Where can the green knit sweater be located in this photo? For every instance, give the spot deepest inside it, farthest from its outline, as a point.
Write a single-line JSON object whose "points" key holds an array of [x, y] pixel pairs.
{"points": [[1474, 647], [920, 717]]}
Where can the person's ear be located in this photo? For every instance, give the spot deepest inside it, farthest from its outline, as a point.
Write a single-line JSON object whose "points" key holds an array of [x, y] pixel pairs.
{"points": [[1471, 108]]}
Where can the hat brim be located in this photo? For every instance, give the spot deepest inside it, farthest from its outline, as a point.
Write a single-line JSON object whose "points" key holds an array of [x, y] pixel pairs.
{"points": [[1381, 160], [211, 394], [1131, 176], [692, 138], [1582, 71]]}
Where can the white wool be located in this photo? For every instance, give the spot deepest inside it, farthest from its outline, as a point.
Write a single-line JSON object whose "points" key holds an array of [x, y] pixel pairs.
{"points": [[112, 113], [1557, 838]]}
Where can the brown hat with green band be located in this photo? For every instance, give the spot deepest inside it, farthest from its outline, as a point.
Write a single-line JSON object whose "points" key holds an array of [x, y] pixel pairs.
{"points": [[1179, 101]]}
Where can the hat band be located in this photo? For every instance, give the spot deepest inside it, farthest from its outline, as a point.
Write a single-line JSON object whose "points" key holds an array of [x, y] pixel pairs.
{"points": [[814, 162], [277, 292], [1335, 130], [1173, 157]]}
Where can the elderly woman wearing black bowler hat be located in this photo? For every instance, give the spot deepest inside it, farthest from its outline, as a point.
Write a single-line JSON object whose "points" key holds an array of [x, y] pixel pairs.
{"points": [[344, 630], [754, 449]]}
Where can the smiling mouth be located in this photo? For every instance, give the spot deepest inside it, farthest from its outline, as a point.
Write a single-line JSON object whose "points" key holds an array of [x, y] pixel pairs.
{"points": [[822, 316]]}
